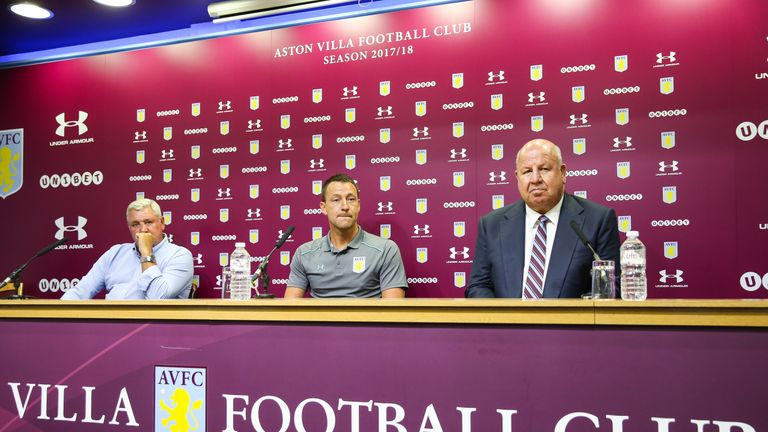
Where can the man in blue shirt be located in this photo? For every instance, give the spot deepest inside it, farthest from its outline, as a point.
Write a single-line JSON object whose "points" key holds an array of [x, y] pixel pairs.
{"points": [[149, 268]]}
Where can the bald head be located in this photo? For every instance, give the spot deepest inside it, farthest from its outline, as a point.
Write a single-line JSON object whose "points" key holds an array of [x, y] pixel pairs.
{"points": [[540, 174]]}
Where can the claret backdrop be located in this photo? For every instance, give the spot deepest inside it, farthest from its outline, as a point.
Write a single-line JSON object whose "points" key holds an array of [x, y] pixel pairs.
{"points": [[659, 108]]}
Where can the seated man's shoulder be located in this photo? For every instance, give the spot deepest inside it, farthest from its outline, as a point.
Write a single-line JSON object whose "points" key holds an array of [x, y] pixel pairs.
{"points": [[311, 246], [376, 242]]}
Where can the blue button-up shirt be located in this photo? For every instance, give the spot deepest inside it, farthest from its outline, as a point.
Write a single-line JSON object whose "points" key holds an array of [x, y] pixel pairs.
{"points": [[119, 272]]}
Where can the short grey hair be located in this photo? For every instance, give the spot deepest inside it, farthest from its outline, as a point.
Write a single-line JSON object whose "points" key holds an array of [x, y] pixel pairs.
{"points": [[141, 204], [558, 153]]}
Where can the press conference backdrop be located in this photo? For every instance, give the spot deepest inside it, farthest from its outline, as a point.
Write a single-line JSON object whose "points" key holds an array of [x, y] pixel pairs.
{"points": [[659, 108]]}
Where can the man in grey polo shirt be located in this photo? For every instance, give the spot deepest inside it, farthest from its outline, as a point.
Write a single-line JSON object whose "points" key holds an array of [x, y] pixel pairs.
{"points": [[348, 262]]}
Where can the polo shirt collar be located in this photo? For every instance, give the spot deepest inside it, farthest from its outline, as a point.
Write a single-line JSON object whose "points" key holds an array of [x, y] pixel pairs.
{"points": [[354, 244]]}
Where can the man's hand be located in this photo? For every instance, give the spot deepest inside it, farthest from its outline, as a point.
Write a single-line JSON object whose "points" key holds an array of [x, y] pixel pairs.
{"points": [[144, 243]]}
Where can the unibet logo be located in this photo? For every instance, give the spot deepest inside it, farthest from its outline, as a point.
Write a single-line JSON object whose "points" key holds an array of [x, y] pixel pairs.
{"points": [[180, 399]]}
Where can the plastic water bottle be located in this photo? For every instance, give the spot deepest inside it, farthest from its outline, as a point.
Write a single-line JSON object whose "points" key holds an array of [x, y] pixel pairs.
{"points": [[633, 283], [240, 273]]}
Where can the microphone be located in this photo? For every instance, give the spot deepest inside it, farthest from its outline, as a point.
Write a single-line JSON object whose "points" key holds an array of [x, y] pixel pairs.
{"points": [[39, 253], [583, 238], [278, 244], [51, 247], [285, 236]]}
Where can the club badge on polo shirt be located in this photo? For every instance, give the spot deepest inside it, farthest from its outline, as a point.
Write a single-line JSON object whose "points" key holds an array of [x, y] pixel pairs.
{"points": [[358, 264]]}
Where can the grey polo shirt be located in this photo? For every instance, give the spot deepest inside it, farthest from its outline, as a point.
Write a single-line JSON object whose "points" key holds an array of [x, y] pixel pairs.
{"points": [[366, 267]]}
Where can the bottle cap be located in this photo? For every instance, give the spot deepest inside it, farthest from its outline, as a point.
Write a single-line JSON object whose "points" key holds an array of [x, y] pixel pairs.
{"points": [[633, 234], [240, 244]]}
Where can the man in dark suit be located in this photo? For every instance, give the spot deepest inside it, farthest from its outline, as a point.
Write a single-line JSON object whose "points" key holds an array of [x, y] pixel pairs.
{"points": [[527, 249]]}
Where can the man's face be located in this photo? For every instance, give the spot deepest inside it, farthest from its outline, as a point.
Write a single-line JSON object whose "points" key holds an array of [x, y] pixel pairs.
{"points": [[540, 180], [341, 205], [146, 221]]}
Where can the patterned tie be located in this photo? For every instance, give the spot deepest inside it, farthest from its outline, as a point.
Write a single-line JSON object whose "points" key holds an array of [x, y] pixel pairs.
{"points": [[534, 282]]}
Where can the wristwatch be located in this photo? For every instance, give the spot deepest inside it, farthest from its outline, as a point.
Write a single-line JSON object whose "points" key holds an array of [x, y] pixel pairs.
{"points": [[148, 259]]}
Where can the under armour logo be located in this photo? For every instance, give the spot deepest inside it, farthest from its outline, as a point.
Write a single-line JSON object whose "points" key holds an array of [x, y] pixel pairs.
{"points": [[501, 176], [495, 76], [224, 192], [350, 91], [582, 118], [385, 206], [677, 276], [81, 234], [195, 172], [536, 97], [421, 230], [198, 259], [167, 154], [671, 57], [80, 123], [140, 135], [464, 253], [618, 142], [254, 213], [381, 111], [254, 124], [320, 163], [462, 153], [663, 167], [285, 143], [225, 105], [421, 132]]}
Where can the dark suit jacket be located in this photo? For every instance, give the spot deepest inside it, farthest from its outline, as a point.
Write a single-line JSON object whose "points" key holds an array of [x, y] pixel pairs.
{"points": [[497, 269]]}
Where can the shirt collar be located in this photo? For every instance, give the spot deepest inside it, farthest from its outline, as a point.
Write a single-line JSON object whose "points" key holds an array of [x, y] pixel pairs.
{"points": [[354, 244]]}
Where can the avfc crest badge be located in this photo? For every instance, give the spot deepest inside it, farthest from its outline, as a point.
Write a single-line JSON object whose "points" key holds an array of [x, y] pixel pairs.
{"points": [[223, 259], [385, 183], [459, 229], [384, 88], [180, 395], [358, 264], [167, 217], [669, 194], [195, 152], [421, 205], [537, 123], [253, 191], [224, 215], [253, 236], [622, 116], [421, 157], [285, 166], [537, 72], [317, 95], [384, 135], [194, 194], [196, 109], [577, 94], [667, 85], [224, 127], [670, 250], [625, 223], [285, 257], [579, 146], [497, 102], [141, 115], [317, 187], [421, 108], [622, 170], [224, 171], [458, 179], [350, 162], [621, 63], [253, 147], [167, 175], [317, 232], [194, 238], [459, 279], [457, 80], [497, 201], [497, 151], [140, 158], [667, 140], [422, 255], [254, 103], [285, 212], [167, 133], [285, 121], [350, 115], [385, 231], [317, 141], [458, 129]]}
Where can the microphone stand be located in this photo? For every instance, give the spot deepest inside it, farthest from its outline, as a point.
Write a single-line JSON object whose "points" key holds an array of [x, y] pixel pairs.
{"points": [[261, 276], [16, 275]]}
